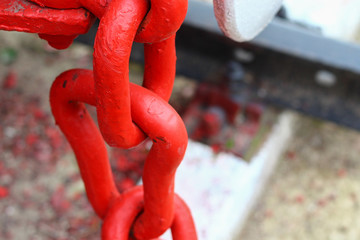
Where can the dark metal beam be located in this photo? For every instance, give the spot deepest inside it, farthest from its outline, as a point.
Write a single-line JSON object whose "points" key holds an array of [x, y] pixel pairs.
{"points": [[286, 37]]}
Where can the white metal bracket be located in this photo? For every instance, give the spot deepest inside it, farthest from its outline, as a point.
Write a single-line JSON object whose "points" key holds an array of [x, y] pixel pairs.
{"points": [[242, 20]]}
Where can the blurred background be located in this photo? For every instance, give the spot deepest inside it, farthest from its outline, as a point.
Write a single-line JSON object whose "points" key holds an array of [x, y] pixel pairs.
{"points": [[336, 19], [233, 97]]}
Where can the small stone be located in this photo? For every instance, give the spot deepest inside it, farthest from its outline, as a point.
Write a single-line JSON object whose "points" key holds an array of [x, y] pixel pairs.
{"points": [[4, 192], [10, 80]]}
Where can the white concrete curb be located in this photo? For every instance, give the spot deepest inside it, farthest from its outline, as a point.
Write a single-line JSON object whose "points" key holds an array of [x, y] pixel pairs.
{"points": [[222, 189]]}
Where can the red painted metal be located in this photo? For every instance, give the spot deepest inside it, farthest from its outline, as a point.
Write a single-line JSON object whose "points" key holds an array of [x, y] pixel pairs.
{"points": [[116, 122], [162, 20], [97, 7], [58, 27], [60, 4], [111, 72], [160, 67], [127, 113], [24, 16], [68, 93], [58, 42], [116, 125], [117, 224], [155, 117]]}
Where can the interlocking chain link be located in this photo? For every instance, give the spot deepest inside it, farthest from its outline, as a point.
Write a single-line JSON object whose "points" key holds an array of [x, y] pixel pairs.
{"points": [[127, 113]]}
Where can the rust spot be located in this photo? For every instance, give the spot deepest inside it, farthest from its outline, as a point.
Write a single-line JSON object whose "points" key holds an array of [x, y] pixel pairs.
{"points": [[161, 139], [75, 76], [82, 114]]}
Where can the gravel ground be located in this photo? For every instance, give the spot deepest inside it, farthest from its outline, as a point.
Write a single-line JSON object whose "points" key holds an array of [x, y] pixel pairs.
{"points": [[41, 192], [314, 192]]}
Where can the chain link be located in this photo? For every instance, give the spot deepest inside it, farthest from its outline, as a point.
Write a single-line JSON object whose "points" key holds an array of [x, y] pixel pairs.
{"points": [[126, 209]]}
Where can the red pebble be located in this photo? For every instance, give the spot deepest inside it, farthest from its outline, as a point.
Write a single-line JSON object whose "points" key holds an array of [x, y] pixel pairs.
{"points": [[59, 201], [10, 80], [2, 165], [54, 136], [31, 139], [4, 192], [216, 147], [322, 202], [299, 199], [124, 163], [269, 213], [38, 113], [211, 124], [254, 112], [342, 172], [291, 155], [126, 183]]}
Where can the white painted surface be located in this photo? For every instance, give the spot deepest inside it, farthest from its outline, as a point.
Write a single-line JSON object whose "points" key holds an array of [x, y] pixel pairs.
{"points": [[221, 189], [242, 20]]}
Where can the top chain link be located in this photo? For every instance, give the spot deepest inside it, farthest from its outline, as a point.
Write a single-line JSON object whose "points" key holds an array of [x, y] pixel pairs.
{"points": [[163, 18]]}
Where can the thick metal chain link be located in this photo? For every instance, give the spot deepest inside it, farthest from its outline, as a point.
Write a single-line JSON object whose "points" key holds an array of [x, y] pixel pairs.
{"points": [[127, 113]]}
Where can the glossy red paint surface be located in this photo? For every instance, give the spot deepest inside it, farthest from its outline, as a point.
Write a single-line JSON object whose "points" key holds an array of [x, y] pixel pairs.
{"points": [[67, 97], [162, 21], [58, 42], [111, 72], [117, 126]]}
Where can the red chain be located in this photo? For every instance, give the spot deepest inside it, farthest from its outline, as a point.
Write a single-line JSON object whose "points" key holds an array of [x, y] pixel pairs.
{"points": [[169, 139], [127, 113]]}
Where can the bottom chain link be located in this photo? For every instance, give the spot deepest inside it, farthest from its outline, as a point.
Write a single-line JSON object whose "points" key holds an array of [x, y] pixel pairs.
{"points": [[119, 221]]}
